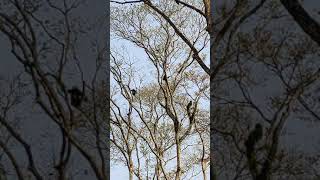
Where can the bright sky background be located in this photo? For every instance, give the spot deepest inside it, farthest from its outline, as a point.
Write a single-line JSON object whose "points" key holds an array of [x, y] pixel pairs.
{"points": [[144, 66], [120, 172]]}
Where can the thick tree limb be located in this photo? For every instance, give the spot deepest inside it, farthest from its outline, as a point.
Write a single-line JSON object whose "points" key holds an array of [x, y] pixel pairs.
{"points": [[305, 21]]}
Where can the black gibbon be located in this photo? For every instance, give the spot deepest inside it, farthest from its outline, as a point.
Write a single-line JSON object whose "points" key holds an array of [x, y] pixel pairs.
{"points": [[188, 108], [164, 78], [253, 138], [77, 96], [190, 113], [133, 91]]}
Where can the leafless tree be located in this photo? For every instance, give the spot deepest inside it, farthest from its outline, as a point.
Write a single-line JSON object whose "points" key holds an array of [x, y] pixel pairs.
{"points": [[155, 125], [164, 124], [49, 51], [250, 54], [263, 76]]}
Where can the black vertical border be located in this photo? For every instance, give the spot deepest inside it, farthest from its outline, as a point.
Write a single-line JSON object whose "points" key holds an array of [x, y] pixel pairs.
{"points": [[212, 169], [108, 85]]}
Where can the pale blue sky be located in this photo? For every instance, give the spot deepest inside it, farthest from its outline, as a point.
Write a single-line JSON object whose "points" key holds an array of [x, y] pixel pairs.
{"points": [[138, 55]]}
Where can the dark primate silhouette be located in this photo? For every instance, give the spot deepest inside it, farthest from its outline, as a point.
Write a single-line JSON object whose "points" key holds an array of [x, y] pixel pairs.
{"points": [[133, 91], [253, 138], [190, 114], [77, 96], [188, 108], [165, 78]]}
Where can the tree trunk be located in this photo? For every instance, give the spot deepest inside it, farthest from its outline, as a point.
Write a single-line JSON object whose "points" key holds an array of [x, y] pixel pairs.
{"points": [[178, 172]]}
